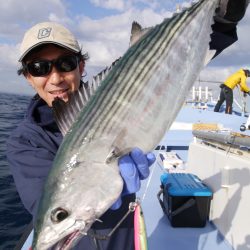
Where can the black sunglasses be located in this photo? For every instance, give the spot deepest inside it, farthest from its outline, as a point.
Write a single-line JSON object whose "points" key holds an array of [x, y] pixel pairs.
{"points": [[44, 67]]}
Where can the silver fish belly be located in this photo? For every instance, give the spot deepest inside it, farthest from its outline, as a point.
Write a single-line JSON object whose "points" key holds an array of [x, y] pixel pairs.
{"points": [[133, 107]]}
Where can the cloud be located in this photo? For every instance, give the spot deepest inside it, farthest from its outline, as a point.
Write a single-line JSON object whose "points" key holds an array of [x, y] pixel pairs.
{"points": [[9, 55], [110, 4], [107, 38], [122, 5], [17, 16], [104, 37]]}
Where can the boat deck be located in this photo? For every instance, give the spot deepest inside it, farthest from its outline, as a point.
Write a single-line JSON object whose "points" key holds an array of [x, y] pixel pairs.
{"points": [[161, 235]]}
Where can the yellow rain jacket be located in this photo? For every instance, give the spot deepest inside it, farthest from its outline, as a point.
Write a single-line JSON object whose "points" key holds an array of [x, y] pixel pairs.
{"points": [[237, 78]]}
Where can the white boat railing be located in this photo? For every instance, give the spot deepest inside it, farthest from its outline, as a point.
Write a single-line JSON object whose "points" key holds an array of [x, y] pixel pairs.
{"points": [[205, 91]]}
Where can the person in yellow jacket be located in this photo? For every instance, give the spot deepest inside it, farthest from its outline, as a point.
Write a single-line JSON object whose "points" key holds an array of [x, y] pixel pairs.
{"points": [[236, 79]]}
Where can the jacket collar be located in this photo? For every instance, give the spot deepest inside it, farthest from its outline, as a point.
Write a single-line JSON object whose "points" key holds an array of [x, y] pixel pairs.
{"points": [[40, 113]]}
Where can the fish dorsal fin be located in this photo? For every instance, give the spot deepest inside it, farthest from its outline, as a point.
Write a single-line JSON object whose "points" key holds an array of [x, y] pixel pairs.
{"points": [[66, 113], [136, 33], [97, 80], [136, 27]]}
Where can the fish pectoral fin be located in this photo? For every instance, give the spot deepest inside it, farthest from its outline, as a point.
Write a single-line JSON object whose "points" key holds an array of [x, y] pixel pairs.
{"points": [[116, 153]]}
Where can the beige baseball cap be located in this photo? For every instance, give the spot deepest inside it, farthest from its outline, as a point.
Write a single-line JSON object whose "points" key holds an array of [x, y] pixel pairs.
{"points": [[48, 32]]}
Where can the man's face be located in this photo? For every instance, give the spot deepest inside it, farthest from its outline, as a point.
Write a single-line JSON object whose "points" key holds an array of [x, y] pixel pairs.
{"points": [[56, 83]]}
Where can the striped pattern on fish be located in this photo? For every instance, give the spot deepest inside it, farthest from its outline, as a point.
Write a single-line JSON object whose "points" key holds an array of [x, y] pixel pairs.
{"points": [[134, 106], [148, 71]]}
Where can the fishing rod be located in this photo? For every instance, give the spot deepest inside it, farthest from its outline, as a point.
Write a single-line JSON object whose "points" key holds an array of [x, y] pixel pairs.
{"points": [[209, 81]]}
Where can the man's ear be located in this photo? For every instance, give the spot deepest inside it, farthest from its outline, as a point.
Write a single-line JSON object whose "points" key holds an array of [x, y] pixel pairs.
{"points": [[81, 67]]}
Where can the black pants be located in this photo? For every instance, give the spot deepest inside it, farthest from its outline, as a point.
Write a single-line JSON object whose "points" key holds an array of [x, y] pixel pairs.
{"points": [[225, 94]]}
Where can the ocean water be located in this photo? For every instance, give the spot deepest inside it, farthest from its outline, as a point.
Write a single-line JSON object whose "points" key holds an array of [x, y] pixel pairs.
{"points": [[13, 216]]}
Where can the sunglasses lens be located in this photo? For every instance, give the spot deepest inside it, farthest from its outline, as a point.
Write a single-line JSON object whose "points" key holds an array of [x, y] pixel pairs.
{"points": [[43, 67], [39, 68], [66, 63]]}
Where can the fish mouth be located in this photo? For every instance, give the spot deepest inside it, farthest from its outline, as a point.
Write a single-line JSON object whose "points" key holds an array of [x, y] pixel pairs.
{"points": [[68, 241]]}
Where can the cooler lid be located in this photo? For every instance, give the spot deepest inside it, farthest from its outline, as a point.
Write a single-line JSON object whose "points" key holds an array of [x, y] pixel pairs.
{"points": [[182, 184]]}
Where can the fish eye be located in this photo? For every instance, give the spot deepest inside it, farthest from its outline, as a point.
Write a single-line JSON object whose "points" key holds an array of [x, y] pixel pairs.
{"points": [[59, 214]]}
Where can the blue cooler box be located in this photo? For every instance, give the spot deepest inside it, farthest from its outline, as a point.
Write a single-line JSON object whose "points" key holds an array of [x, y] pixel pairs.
{"points": [[186, 200]]}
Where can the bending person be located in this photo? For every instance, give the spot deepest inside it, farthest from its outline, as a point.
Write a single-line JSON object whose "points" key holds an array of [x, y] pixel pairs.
{"points": [[226, 93]]}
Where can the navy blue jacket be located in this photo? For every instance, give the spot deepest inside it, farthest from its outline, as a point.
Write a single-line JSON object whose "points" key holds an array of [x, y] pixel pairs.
{"points": [[31, 149]]}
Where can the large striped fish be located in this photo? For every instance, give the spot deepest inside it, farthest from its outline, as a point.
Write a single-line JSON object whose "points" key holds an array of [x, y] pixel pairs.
{"points": [[133, 107]]}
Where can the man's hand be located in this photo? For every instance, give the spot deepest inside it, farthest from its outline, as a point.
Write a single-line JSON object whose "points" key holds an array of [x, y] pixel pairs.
{"points": [[227, 16], [134, 167], [231, 11]]}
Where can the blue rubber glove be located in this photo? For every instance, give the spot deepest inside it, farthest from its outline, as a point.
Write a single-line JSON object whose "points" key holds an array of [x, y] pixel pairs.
{"points": [[134, 167]]}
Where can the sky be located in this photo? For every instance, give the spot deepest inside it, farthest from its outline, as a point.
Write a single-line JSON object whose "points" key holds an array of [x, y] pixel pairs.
{"points": [[103, 29]]}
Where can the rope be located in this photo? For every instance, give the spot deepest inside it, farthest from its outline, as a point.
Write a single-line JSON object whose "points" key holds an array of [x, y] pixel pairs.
{"points": [[148, 182]]}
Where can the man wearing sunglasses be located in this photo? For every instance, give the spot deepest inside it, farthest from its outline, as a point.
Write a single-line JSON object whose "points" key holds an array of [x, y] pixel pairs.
{"points": [[53, 64]]}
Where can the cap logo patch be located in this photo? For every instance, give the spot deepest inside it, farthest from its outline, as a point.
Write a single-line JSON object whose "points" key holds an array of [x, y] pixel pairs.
{"points": [[45, 32]]}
